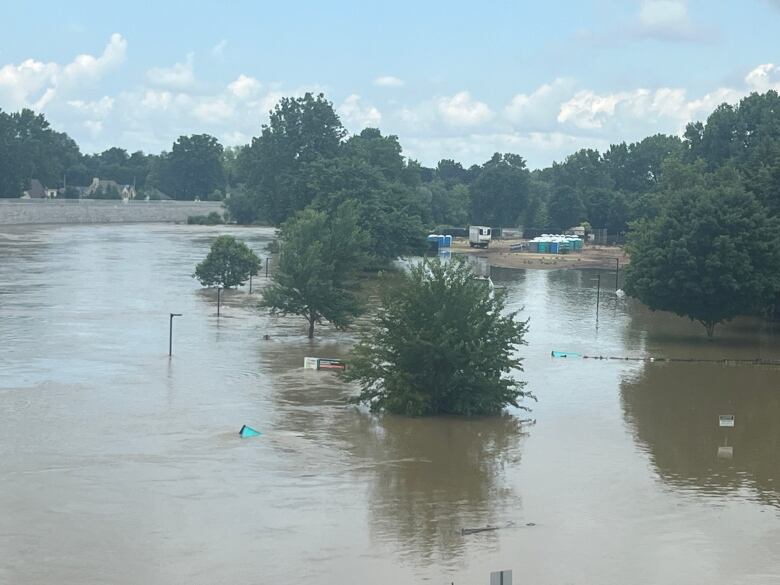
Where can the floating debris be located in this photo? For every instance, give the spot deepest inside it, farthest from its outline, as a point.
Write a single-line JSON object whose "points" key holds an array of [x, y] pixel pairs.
{"points": [[248, 432]]}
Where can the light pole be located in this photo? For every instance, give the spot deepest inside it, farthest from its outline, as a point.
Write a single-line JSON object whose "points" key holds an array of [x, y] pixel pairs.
{"points": [[266, 266], [250, 284], [598, 296], [219, 291], [170, 333], [617, 273]]}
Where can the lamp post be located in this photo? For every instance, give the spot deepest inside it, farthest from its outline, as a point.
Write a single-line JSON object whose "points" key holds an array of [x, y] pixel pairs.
{"points": [[617, 273], [250, 284], [598, 296], [170, 333], [266, 266], [219, 291]]}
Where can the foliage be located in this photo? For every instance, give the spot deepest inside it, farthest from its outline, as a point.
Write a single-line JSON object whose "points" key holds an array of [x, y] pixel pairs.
{"points": [[440, 344], [212, 218], [299, 131], [192, 170], [712, 254], [316, 272], [242, 206], [229, 263], [500, 193]]}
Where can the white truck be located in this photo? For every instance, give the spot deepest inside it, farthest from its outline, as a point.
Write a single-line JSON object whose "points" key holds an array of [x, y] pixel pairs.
{"points": [[479, 236]]}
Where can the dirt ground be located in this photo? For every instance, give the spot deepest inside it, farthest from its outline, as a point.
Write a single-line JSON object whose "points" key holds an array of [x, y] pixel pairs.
{"points": [[498, 254]]}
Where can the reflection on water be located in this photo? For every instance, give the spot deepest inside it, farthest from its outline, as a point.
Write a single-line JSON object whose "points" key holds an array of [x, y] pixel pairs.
{"points": [[674, 410], [119, 465]]}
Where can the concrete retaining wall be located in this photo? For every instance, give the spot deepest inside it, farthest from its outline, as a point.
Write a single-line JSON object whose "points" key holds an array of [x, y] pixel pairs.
{"points": [[31, 211]]}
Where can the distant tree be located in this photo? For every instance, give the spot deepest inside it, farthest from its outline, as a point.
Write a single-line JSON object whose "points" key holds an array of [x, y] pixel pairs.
{"points": [[440, 344], [500, 193], [712, 254], [299, 131], [315, 277], [229, 263], [192, 170], [565, 207], [449, 203]]}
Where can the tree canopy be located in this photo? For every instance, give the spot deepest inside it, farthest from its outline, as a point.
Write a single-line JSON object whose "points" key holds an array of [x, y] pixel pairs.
{"points": [[441, 343], [316, 274], [230, 263], [712, 254]]}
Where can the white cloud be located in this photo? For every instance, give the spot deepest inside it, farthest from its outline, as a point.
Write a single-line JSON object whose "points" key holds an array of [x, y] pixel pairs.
{"points": [[462, 110], [764, 77], [99, 108], [179, 76], [357, 116], [213, 111], [539, 108], [218, 50], [389, 81], [244, 86], [35, 84], [668, 20]]}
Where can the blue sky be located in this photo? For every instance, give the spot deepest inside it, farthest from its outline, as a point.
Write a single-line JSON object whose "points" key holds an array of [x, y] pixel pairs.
{"points": [[452, 79]]}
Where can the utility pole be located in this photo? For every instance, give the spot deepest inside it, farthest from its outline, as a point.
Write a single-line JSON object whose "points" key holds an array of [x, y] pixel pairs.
{"points": [[219, 290], [170, 333]]}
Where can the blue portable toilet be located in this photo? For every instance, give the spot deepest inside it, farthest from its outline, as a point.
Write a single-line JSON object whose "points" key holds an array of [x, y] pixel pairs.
{"points": [[448, 241], [553, 247]]}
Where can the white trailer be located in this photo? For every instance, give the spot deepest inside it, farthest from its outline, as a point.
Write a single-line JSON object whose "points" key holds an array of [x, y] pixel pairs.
{"points": [[479, 236]]}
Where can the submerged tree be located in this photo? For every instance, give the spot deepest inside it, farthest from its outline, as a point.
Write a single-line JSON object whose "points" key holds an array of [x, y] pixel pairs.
{"points": [[712, 254], [229, 263], [320, 257], [441, 344]]}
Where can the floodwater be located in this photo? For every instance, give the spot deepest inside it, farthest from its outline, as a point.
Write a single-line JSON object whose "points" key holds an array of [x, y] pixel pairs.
{"points": [[119, 465]]}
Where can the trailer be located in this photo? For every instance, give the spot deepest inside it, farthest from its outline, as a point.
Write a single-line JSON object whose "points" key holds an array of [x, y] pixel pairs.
{"points": [[479, 236]]}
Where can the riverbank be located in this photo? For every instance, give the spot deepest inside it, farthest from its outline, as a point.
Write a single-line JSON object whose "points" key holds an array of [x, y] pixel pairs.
{"points": [[499, 254], [91, 211]]}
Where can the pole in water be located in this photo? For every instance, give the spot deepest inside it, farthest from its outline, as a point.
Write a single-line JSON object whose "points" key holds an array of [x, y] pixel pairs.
{"points": [[598, 296], [266, 267], [170, 333], [219, 290], [617, 273], [250, 284]]}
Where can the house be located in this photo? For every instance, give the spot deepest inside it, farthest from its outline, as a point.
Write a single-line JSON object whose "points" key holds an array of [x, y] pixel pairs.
{"points": [[109, 186], [36, 190], [51, 193]]}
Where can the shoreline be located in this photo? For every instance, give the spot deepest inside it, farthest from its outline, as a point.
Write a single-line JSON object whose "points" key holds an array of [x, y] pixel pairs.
{"points": [[499, 255]]}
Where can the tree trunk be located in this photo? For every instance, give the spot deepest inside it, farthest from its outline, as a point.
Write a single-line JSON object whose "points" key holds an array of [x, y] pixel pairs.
{"points": [[311, 327], [710, 327]]}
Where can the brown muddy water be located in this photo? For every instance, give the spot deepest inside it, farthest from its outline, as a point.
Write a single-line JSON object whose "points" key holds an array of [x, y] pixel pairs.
{"points": [[120, 466]]}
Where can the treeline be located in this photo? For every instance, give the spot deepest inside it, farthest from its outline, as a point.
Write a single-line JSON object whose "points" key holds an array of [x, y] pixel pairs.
{"points": [[303, 157]]}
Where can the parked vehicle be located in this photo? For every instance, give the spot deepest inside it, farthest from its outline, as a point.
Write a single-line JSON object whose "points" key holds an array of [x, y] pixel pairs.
{"points": [[479, 236]]}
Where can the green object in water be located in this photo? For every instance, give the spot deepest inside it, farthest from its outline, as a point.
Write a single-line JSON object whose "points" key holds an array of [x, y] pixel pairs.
{"points": [[563, 354]]}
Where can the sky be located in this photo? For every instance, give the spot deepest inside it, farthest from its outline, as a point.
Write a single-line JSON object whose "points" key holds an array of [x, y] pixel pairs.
{"points": [[454, 79]]}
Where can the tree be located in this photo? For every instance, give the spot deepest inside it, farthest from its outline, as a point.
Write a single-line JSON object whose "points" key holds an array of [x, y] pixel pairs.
{"points": [[440, 344], [192, 170], [712, 254], [229, 263], [316, 273], [500, 193], [299, 131]]}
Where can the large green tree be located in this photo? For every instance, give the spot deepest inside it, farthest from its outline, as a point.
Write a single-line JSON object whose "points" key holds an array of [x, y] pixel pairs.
{"points": [[192, 170], [441, 343], [712, 254], [500, 193], [299, 131], [316, 274], [230, 263]]}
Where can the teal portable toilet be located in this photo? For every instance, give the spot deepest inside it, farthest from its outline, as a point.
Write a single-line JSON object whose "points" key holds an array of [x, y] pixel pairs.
{"points": [[544, 247]]}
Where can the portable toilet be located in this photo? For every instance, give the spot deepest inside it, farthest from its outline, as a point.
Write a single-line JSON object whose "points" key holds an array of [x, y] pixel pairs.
{"points": [[544, 247], [553, 247], [448, 241]]}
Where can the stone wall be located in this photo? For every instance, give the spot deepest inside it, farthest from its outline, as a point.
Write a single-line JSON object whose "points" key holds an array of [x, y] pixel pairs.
{"points": [[32, 211]]}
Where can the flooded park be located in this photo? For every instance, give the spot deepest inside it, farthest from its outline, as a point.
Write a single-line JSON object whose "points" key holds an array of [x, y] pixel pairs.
{"points": [[121, 465]]}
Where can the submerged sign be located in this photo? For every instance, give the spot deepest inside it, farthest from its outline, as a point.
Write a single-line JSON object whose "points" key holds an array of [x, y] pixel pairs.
{"points": [[726, 420], [314, 363]]}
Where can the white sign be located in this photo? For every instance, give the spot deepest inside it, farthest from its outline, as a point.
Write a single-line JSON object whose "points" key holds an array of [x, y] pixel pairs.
{"points": [[311, 363], [726, 420], [501, 578], [725, 452]]}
